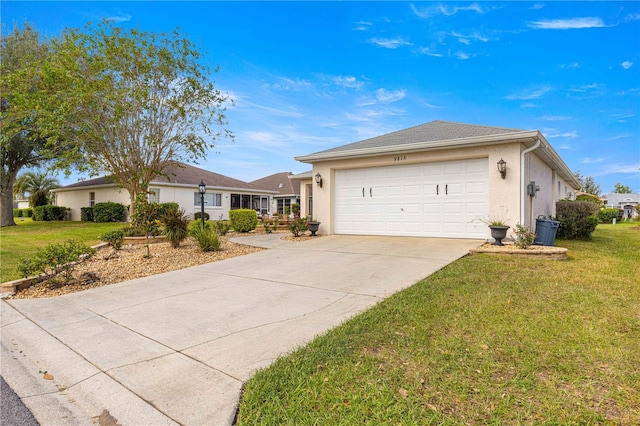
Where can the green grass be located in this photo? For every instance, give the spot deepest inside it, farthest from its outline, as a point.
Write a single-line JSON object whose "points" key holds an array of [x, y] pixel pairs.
{"points": [[17, 242], [486, 340]]}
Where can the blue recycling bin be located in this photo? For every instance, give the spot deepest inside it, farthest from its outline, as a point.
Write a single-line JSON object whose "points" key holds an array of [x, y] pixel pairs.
{"points": [[546, 230]]}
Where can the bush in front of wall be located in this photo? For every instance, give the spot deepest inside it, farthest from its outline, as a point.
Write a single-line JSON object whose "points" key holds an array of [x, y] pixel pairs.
{"points": [[221, 226], [198, 215], [578, 219], [607, 215], [298, 226], [49, 213], [243, 220], [175, 225], [108, 212], [86, 214]]}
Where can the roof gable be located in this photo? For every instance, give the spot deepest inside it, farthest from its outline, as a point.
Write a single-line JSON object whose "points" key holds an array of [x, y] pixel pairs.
{"points": [[278, 182], [434, 131]]}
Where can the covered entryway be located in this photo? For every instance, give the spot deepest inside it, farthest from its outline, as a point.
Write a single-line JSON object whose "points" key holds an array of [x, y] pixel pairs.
{"points": [[439, 199]]}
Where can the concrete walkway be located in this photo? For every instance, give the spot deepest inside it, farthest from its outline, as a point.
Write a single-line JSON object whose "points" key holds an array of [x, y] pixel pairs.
{"points": [[176, 348]]}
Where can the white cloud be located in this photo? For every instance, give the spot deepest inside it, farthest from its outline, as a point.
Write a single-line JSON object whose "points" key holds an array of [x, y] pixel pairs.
{"points": [[632, 17], [467, 38], [537, 6], [362, 26], [588, 160], [573, 65], [348, 81], [286, 84], [555, 118], [462, 55], [567, 24], [429, 51], [553, 133], [119, 18], [390, 43], [627, 64], [444, 9], [385, 96], [525, 95]]}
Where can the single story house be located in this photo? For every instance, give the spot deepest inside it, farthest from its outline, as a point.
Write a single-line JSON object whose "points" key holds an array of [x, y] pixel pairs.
{"points": [[439, 179], [626, 203], [287, 191], [180, 185]]}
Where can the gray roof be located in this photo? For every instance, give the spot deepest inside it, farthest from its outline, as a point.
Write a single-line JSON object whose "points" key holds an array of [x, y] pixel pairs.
{"points": [[434, 131], [179, 174], [616, 199], [280, 183]]}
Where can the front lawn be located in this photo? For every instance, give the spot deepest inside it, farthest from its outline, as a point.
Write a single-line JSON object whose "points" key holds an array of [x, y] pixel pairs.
{"points": [[487, 340], [17, 242]]}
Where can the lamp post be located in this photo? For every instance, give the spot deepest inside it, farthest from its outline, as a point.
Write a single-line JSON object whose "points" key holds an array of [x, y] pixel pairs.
{"points": [[202, 188]]}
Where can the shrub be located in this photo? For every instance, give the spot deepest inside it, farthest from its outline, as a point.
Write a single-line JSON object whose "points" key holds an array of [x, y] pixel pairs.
{"points": [[243, 220], [115, 238], [577, 219], [133, 231], [298, 226], [49, 213], [55, 258], [163, 208], [607, 215], [175, 225], [195, 225], [524, 237], [17, 213], [86, 214], [28, 212], [207, 239], [109, 212], [221, 226], [198, 215]]}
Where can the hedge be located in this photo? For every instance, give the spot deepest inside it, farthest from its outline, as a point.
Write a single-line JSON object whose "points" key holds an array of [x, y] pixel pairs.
{"points": [[607, 215], [86, 214], [49, 213], [243, 220], [109, 212], [27, 212], [578, 219]]}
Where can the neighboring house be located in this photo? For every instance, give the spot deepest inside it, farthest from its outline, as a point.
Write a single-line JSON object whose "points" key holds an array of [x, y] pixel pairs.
{"points": [[21, 203], [287, 191], [626, 203], [180, 186], [436, 180]]}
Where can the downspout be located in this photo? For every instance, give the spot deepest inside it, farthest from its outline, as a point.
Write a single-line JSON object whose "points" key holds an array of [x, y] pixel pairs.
{"points": [[523, 184]]}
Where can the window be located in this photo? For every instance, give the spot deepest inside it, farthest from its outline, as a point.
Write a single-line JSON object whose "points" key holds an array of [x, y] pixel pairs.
{"points": [[211, 199], [154, 195], [284, 203], [92, 199]]}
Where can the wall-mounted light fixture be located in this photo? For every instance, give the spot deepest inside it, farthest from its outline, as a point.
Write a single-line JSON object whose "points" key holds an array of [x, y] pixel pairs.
{"points": [[319, 179], [502, 168]]}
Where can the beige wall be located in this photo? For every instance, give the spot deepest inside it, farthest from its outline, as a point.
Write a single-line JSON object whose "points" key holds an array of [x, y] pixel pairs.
{"points": [[183, 195], [77, 198], [504, 194]]}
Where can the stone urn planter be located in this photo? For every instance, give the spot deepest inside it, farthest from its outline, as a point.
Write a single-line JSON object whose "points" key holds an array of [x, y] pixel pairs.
{"points": [[313, 227], [498, 232]]}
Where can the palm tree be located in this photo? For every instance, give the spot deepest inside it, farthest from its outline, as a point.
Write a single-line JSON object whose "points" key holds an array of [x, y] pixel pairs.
{"points": [[37, 185]]}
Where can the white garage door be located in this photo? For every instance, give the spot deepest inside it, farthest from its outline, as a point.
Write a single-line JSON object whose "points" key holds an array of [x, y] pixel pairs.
{"points": [[428, 200]]}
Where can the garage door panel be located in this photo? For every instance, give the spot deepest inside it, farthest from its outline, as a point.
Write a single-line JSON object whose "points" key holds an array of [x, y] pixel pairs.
{"points": [[430, 199]]}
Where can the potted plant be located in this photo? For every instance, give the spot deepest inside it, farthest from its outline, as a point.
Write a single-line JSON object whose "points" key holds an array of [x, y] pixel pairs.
{"points": [[499, 228], [313, 226]]}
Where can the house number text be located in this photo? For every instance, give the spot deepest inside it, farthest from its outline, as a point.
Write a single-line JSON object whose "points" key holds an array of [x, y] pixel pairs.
{"points": [[399, 158]]}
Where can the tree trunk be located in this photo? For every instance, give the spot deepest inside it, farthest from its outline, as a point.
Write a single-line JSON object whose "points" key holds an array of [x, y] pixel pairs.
{"points": [[6, 199]]}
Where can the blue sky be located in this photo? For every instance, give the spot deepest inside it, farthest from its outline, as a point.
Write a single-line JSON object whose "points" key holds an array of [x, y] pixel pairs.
{"points": [[308, 76]]}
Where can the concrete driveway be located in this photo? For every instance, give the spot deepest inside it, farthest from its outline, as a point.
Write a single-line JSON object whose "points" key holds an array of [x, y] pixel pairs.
{"points": [[176, 348]]}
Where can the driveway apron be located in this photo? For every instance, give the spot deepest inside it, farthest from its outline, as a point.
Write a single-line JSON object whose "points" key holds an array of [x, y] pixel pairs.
{"points": [[176, 348]]}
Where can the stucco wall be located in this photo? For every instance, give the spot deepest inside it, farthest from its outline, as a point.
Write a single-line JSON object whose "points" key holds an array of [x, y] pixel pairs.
{"points": [[78, 198], [183, 195], [503, 197]]}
